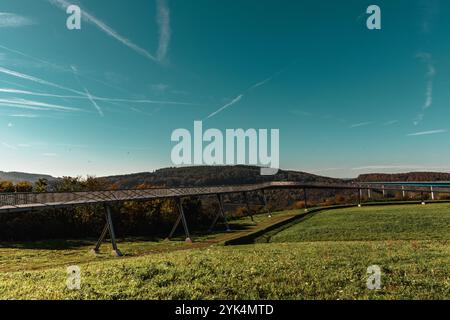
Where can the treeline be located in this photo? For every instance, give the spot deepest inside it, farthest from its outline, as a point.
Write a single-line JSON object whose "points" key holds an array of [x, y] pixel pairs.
{"points": [[64, 184], [411, 176]]}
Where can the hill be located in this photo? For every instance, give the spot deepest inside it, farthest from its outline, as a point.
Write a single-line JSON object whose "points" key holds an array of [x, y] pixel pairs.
{"points": [[212, 176], [22, 176]]}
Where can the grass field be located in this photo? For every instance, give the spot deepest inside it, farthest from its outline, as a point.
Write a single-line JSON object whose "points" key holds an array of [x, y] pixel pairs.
{"points": [[325, 256]]}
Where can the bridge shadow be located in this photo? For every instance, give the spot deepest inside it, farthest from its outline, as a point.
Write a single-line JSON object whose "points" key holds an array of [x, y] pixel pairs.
{"points": [[74, 244], [47, 244]]}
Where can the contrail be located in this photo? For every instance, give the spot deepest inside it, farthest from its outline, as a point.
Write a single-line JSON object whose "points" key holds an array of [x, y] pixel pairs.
{"points": [[37, 80], [252, 87], [425, 133], [234, 101], [34, 58], [362, 124], [86, 16], [88, 94], [36, 104], [85, 97], [100, 111], [62, 68]]}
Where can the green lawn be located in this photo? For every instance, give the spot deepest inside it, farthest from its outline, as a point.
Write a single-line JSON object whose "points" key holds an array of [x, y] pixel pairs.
{"points": [[323, 257], [405, 222], [46, 254]]}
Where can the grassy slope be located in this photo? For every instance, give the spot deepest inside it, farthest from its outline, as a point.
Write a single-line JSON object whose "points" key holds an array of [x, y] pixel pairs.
{"points": [[301, 268]]}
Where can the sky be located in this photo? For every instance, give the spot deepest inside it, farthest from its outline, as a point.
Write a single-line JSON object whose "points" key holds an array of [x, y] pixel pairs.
{"points": [[105, 99]]}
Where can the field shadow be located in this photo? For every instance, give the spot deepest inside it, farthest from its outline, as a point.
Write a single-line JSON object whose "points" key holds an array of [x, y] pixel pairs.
{"points": [[47, 244]]}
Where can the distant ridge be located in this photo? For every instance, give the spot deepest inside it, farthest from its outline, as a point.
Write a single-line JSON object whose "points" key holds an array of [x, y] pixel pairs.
{"points": [[22, 176], [410, 176], [226, 175]]}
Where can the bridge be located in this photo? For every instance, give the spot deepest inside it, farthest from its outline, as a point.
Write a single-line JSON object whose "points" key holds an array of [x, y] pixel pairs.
{"points": [[26, 202]]}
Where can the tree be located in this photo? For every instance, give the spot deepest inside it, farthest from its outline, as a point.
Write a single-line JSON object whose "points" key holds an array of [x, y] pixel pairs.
{"points": [[41, 185], [23, 186], [6, 186]]}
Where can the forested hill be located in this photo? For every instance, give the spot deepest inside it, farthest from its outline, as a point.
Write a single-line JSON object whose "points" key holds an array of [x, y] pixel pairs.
{"points": [[211, 176], [21, 176], [411, 176], [224, 175]]}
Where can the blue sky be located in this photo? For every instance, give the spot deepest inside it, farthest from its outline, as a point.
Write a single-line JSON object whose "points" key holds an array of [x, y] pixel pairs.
{"points": [[105, 99]]}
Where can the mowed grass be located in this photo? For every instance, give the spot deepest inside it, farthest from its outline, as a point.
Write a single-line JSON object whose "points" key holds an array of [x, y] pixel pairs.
{"points": [[323, 257], [308, 270], [405, 222], [40, 255]]}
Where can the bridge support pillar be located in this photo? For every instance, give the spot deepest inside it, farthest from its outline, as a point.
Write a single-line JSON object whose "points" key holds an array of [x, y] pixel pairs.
{"points": [[369, 193], [109, 228], [432, 193], [403, 192], [221, 213], [269, 214], [305, 198], [248, 206], [181, 218], [359, 198]]}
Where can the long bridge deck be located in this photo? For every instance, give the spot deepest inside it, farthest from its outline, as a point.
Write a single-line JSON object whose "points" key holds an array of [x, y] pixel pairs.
{"points": [[23, 202], [26, 202]]}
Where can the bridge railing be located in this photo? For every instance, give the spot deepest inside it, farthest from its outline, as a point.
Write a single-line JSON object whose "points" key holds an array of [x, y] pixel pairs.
{"points": [[27, 201]]}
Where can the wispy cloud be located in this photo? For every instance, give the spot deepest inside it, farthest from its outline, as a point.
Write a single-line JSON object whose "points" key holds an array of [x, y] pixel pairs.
{"points": [[300, 113], [163, 19], [325, 170], [425, 133], [400, 167], [8, 146], [390, 123], [24, 115], [431, 72], [430, 11], [11, 20], [90, 18], [361, 124]]}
